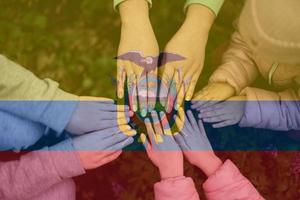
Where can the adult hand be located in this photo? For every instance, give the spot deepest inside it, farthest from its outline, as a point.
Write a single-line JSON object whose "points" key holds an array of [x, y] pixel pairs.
{"points": [[194, 143], [100, 147], [94, 113], [226, 113], [212, 94], [190, 41], [162, 149], [137, 56]]}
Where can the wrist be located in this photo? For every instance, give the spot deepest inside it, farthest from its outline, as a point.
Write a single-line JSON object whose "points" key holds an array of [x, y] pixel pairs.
{"points": [[200, 17], [210, 165], [134, 11], [171, 173]]}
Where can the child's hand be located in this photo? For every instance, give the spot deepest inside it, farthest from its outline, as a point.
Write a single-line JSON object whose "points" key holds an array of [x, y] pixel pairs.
{"points": [[93, 113], [212, 94], [137, 35], [162, 149], [98, 148], [194, 143], [226, 113], [190, 42]]}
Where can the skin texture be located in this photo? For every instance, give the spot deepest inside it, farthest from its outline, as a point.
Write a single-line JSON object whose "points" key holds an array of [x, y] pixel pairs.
{"points": [[101, 147], [194, 143], [212, 94], [162, 149], [136, 35], [225, 113], [95, 113], [189, 42]]}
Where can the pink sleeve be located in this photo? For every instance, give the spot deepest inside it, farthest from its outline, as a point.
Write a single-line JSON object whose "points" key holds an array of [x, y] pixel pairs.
{"points": [[36, 172], [228, 182], [181, 188]]}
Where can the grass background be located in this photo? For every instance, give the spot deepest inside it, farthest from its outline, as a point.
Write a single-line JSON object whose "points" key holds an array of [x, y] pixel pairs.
{"points": [[74, 42]]}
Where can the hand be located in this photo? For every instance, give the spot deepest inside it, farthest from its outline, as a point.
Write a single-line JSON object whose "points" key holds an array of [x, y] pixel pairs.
{"points": [[138, 41], [162, 149], [212, 94], [180, 77], [100, 147], [226, 113], [93, 113], [194, 143]]}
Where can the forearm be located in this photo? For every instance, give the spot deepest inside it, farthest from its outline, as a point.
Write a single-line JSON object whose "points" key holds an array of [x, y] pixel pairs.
{"points": [[209, 163], [36, 172], [134, 12], [24, 94], [199, 18]]}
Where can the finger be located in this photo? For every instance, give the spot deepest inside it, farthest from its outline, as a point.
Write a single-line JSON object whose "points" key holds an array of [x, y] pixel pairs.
{"points": [[165, 123], [142, 95], [165, 83], [190, 88], [178, 78], [211, 108], [180, 97], [109, 158], [131, 87], [156, 123], [180, 119], [145, 142], [150, 131], [214, 119], [122, 144], [201, 129], [192, 120], [209, 114], [130, 133], [171, 97], [120, 79], [180, 141], [222, 124], [152, 90]]}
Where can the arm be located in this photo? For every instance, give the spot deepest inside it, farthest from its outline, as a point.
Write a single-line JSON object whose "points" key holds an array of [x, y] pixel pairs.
{"points": [[21, 91], [36, 172], [224, 179], [237, 72], [137, 36], [190, 43], [276, 111], [165, 154]]}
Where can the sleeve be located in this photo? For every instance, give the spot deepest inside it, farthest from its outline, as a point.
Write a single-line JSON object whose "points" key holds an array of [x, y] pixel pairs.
{"points": [[22, 133], [27, 96], [238, 69], [271, 110], [182, 188], [214, 5], [36, 172], [118, 2], [228, 182]]}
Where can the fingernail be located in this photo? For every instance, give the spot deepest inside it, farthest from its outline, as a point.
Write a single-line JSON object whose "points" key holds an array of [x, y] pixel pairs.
{"points": [[134, 108], [131, 113], [177, 106], [188, 98], [144, 112]]}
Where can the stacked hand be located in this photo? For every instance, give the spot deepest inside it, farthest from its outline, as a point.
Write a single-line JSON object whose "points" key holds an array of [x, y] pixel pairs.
{"points": [[224, 113], [139, 52], [165, 150], [93, 113]]}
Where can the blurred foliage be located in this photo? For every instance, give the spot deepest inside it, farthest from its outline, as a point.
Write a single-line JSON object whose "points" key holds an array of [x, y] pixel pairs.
{"points": [[74, 42]]}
